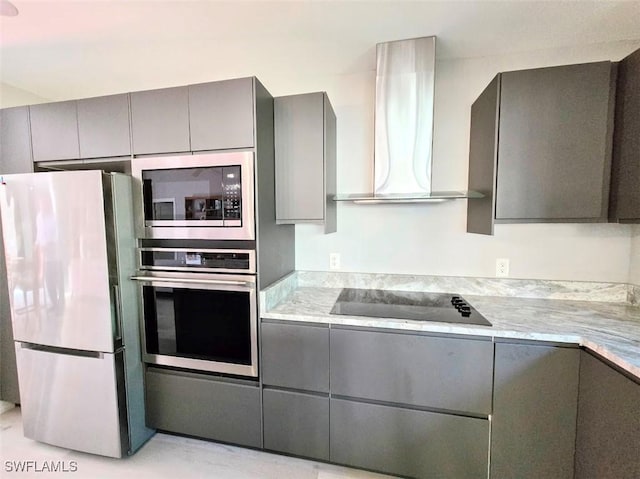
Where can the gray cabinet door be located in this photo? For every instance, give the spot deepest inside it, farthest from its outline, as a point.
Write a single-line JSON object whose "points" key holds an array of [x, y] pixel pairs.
{"points": [[15, 141], [554, 149], [408, 442], [625, 181], [54, 131], [296, 423], [198, 405], [160, 121], [295, 356], [221, 114], [483, 156], [534, 411], [299, 150], [103, 126], [608, 439], [442, 373]]}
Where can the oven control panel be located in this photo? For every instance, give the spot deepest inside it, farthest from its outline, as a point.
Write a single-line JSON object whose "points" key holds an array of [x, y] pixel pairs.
{"points": [[209, 260]]}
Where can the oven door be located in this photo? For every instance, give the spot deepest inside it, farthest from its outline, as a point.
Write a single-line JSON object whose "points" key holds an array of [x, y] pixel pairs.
{"points": [[208, 196], [200, 321]]}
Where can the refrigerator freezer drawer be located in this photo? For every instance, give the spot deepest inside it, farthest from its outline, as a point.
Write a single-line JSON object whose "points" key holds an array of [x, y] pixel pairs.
{"points": [[72, 400]]}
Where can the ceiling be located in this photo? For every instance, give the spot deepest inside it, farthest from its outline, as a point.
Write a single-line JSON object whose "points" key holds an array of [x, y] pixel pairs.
{"points": [[62, 49]]}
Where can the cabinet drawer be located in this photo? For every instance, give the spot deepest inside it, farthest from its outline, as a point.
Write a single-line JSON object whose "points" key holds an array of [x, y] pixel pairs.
{"points": [[295, 356], [199, 406], [296, 423], [408, 442], [444, 373]]}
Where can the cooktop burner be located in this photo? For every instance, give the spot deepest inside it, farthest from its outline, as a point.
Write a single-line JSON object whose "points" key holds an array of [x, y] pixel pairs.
{"points": [[415, 305]]}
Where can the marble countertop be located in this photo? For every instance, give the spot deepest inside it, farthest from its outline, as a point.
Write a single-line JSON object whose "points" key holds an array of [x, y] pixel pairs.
{"points": [[610, 329]]}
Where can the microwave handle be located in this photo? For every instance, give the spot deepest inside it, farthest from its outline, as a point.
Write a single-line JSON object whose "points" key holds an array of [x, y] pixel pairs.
{"points": [[197, 281]]}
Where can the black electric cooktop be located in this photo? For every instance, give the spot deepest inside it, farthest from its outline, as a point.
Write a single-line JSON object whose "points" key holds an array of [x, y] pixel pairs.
{"points": [[415, 305]]}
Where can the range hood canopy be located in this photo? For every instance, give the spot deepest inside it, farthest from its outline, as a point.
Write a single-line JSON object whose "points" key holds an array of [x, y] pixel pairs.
{"points": [[405, 79]]}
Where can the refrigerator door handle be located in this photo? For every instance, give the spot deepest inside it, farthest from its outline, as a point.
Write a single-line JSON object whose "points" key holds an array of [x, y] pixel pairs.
{"points": [[63, 351], [118, 312]]}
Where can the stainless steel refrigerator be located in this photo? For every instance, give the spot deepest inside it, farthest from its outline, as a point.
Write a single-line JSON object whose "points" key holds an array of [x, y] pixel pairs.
{"points": [[70, 250]]}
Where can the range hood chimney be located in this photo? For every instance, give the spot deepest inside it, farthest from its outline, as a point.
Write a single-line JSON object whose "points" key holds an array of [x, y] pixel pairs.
{"points": [[405, 79]]}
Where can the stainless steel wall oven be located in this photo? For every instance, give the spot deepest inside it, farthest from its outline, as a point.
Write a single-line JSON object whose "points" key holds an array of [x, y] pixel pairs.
{"points": [[200, 309], [204, 196]]}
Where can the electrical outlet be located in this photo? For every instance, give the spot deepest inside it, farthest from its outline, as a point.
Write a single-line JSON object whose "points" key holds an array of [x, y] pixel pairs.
{"points": [[502, 268], [334, 261]]}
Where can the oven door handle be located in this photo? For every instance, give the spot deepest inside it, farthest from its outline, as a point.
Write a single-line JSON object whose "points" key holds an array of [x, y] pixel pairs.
{"points": [[189, 280]]}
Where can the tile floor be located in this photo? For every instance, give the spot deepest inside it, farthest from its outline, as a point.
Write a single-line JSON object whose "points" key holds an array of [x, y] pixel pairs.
{"points": [[164, 456]]}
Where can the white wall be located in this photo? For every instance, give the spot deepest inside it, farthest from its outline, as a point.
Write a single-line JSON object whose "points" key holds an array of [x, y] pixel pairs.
{"points": [[432, 239]]}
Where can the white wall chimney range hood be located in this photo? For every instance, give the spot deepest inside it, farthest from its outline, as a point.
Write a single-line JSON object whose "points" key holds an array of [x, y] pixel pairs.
{"points": [[405, 79]]}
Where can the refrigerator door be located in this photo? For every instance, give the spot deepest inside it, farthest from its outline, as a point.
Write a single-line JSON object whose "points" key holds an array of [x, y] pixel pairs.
{"points": [[57, 262], [72, 400]]}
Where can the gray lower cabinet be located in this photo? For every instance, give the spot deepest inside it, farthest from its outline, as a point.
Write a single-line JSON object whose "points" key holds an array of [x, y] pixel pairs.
{"points": [[442, 373], [543, 149], [608, 438], [15, 141], [103, 126], [15, 157], [295, 356], [221, 114], [625, 174], [202, 406], [54, 131], [296, 423], [534, 411], [9, 389], [305, 152], [408, 442], [160, 121]]}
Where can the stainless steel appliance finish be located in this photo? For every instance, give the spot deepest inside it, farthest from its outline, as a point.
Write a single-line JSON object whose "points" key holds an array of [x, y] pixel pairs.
{"points": [[405, 78], [413, 305], [206, 260], [70, 250], [200, 320], [402, 163], [204, 196]]}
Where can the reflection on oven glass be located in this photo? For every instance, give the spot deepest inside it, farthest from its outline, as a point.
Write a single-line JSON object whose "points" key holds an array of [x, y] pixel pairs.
{"points": [[166, 324], [197, 323]]}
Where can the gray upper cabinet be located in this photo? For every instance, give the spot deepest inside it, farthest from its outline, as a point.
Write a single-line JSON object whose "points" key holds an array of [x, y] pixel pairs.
{"points": [[221, 114], [54, 131], [534, 411], [483, 144], [625, 180], [305, 149], [550, 159], [160, 121], [15, 141], [608, 438], [103, 126]]}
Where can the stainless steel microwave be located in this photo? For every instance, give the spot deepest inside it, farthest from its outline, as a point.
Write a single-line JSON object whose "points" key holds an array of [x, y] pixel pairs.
{"points": [[205, 196]]}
